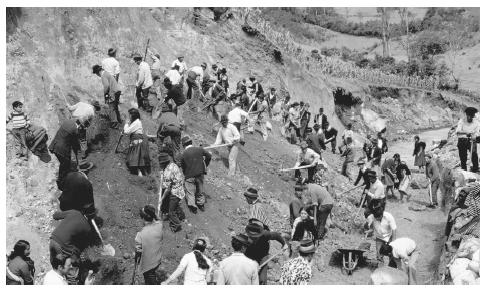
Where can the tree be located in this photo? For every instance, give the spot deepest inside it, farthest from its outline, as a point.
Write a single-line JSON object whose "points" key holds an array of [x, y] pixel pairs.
{"points": [[385, 29], [456, 36], [404, 17]]}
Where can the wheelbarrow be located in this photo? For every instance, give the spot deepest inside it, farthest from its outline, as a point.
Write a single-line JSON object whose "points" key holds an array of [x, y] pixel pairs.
{"points": [[351, 257]]}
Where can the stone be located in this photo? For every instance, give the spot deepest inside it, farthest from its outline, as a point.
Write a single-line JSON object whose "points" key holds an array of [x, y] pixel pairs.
{"points": [[127, 255]]}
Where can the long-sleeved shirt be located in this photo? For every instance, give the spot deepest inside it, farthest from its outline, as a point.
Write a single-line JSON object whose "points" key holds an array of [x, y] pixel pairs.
{"points": [[134, 127], [308, 157], [173, 76], [149, 242], [383, 229], [432, 171], [194, 161], [144, 77], [294, 208], [82, 111], [18, 119], [402, 248], [111, 66], [175, 93], [257, 211], [73, 231], [21, 269], [469, 128], [377, 190], [193, 275], [227, 135], [199, 71], [316, 142], [182, 65], [317, 195], [238, 269], [260, 248], [110, 86], [363, 173], [236, 115], [54, 278]]}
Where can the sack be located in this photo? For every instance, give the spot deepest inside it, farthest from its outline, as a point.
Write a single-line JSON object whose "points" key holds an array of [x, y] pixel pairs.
{"points": [[468, 277], [388, 276], [458, 267], [468, 248]]}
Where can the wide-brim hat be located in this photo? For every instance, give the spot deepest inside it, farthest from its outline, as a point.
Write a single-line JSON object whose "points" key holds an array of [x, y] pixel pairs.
{"points": [[186, 140], [204, 65], [470, 111], [96, 68], [251, 193], [307, 247], [372, 174], [242, 238], [254, 230]]}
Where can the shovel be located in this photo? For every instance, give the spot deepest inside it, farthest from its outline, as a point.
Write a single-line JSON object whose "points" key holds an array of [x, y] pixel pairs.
{"points": [[108, 250], [271, 258]]}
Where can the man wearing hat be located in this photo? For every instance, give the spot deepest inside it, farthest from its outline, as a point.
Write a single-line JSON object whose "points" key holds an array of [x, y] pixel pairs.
{"points": [[174, 76], [261, 115], [259, 247], [171, 192], [271, 97], [375, 193], [305, 116], [468, 132], [156, 73], [433, 175], [228, 134], [143, 84], [316, 141], [181, 64], [320, 119], [168, 132], [193, 164], [195, 73], [256, 210], [111, 65], [306, 157], [223, 80], [174, 92], [322, 202], [238, 269], [111, 92], [331, 134], [256, 87], [298, 271], [217, 94]]}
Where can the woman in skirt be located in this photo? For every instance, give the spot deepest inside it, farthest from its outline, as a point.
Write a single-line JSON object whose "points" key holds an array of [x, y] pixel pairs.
{"points": [[419, 152], [138, 157], [404, 176]]}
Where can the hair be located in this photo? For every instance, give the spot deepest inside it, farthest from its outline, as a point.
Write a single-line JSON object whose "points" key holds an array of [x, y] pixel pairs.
{"points": [[59, 260], [198, 249], [134, 114], [321, 109], [305, 254], [96, 69], [416, 137], [16, 104], [147, 213], [237, 245], [379, 134], [386, 249], [137, 58], [19, 249], [349, 125]]}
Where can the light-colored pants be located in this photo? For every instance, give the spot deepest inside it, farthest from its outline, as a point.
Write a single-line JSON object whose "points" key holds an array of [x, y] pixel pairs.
{"points": [[411, 269], [180, 112], [194, 191], [233, 153]]}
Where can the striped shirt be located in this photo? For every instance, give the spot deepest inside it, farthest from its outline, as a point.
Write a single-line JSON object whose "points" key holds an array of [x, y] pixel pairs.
{"points": [[257, 211], [18, 119]]}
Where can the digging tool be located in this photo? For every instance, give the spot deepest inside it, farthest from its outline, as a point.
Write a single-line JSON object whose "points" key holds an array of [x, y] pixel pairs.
{"points": [[217, 146], [297, 168], [349, 190], [108, 250], [363, 198], [146, 49], [272, 257], [137, 261], [118, 142]]}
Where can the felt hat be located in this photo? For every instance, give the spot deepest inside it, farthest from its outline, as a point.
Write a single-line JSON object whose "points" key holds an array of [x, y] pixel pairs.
{"points": [[180, 56], [111, 51], [272, 89], [186, 140], [204, 65], [254, 230], [96, 68], [242, 238], [136, 56], [303, 144], [252, 77], [251, 193], [224, 119], [307, 247], [372, 174], [470, 111], [214, 66], [164, 158]]}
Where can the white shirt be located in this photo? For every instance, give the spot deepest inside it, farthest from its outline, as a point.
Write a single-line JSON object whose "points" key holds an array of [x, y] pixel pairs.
{"points": [[156, 65], [402, 248], [199, 71], [193, 275], [144, 75], [227, 135], [111, 66], [379, 143], [182, 65], [82, 111], [466, 127], [135, 127], [377, 189], [238, 269], [347, 134], [383, 229], [53, 278], [173, 76], [236, 115]]}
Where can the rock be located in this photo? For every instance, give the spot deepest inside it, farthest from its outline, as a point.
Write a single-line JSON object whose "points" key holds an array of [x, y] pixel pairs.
{"points": [[127, 256], [417, 207]]}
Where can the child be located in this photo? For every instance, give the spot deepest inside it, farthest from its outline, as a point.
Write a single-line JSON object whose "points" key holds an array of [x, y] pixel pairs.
{"points": [[20, 123]]}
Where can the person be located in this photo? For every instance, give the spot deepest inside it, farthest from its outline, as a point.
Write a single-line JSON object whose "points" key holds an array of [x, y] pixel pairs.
{"points": [[111, 65], [195, 73], [65, 140], [237, 116], [419, 152], [347, 133], [182, 65], [262, 111], [238, 269], [259, 247], [375, 193], [320, 175], [111, 93], [382, 143], [404, 177], [168, 133], [384, 229], [223, 80], [143, 84], [61, 265], [298, 271], [296, 204], [155, 71], [256, 210], [77, 194], [319, 119], [363, 174], [174, 76], [20, 123], [175, 93], [316, 141], [467, 138], [138, 156], [294, 119], [322, 202], [83, 112], [304, 227], [432, 174], [241, 94], [305, 116], [195, 265], [271, 97], [217, 95], [215, 71], [148, 244], [20, 267], [171, 192], [368, 147], [194, 163], [228, 134], [404, 253], [255, 87], [331, 135], [306, 157], [72, 235], [348, 155], [389, 170]]}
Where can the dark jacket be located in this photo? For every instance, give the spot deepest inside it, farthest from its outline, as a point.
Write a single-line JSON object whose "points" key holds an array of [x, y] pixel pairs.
{"points": [[175, 93], [401, 168], [77, 193], [330, 133], [259, 249], [316, 142], [67, 138], [168, 124], [218, 93], [305, 225], [23, 268], [74, 231], [432, 171], [324, 120], [417, 147], [257, 87], [365, 176], [294, 208], [194, 161]]}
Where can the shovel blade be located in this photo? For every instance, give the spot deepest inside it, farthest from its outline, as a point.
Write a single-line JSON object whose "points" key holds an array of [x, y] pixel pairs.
{"points": [[108, 250]]}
